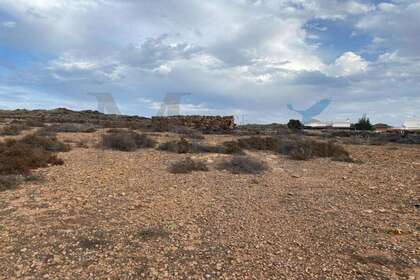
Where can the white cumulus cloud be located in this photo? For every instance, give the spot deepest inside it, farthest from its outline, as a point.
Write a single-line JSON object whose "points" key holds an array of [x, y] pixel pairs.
{"points": [[347, 64]]}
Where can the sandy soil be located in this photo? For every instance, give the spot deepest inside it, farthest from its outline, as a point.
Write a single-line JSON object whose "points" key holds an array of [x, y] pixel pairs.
{"points": [[117, 215]]}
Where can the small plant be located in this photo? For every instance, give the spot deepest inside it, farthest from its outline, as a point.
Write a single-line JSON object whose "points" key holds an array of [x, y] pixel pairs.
{"points": [[71, 128], [294, 125], [34, 123], [10, 182], [260, 143], [126, 141], [12, 129], [20, 158], [49, 143], [307, 149], [244, 165], [363, 124], [187, 132], [187, 165], [232, 147], [152, 233], [181, 146], [302, 151]]}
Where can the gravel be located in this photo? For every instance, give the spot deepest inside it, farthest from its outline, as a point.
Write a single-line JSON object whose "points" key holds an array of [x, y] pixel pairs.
{"points": [[122, 215]]}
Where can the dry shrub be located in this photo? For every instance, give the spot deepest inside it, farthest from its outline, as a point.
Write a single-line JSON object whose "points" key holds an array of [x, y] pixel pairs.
{"points": [[297, 148], [116, 130], [201, 148], [187, 165], [332, 150], [34, 123], [302, 151], [12, 129], [187, 132], [17, 157], [126, 141], [260, 143], [243, 165], [232, 147], [10, 182], [48, 143], [183, 146], [70, 128], [152, 233], [82, 144]]}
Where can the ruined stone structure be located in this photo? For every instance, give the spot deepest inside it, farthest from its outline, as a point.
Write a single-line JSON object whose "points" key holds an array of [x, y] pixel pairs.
{"points": [[203, 123]]}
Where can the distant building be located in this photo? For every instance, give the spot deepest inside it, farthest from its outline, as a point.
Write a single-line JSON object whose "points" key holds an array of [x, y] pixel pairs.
{"points": [[317, 124], [412, 124], [342, 124], [381, 127]]}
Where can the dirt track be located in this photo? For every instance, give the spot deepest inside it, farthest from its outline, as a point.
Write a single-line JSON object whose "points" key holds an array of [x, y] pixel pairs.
{"points": [[118, 215]]}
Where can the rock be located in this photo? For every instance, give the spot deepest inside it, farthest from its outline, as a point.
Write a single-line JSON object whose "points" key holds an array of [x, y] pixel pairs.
{"points": [[57, 259]]}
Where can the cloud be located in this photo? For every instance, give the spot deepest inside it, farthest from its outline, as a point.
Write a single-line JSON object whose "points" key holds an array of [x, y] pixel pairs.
{"points": [[346, 65], [247, 56], [156, 52], [397, 25], [387, 7], [9, 24]]}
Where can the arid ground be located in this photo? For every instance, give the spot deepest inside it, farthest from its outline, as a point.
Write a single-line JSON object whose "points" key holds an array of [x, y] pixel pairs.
{"points": [[121, 215]]}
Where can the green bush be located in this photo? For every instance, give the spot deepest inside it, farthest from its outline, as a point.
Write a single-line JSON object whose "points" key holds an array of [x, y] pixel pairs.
{"points": [[363, 124], [294, 124]]}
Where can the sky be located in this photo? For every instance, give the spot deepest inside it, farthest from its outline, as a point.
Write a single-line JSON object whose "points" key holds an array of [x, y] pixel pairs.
{"points": [[247, 58]]}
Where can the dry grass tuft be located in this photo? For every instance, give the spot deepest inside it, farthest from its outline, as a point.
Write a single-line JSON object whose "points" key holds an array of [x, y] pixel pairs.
{"points": [[17, 157], [187, 165], [48, 143], [70, 128], [126, 141], [243, 165], [13, 129], [10, 182], [183, 146], [297, 148]]}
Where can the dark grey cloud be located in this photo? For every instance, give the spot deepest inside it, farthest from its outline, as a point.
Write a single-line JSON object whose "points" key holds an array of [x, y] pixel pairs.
{"points": [[154, 52]]}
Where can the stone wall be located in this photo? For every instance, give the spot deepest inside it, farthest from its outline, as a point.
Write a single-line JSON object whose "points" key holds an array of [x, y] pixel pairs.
{"points": [[203, 123]]}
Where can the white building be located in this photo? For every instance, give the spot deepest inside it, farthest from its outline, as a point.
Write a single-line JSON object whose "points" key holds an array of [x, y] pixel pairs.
{"points": [[342, 124], [412, 124], [317, 124]]}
